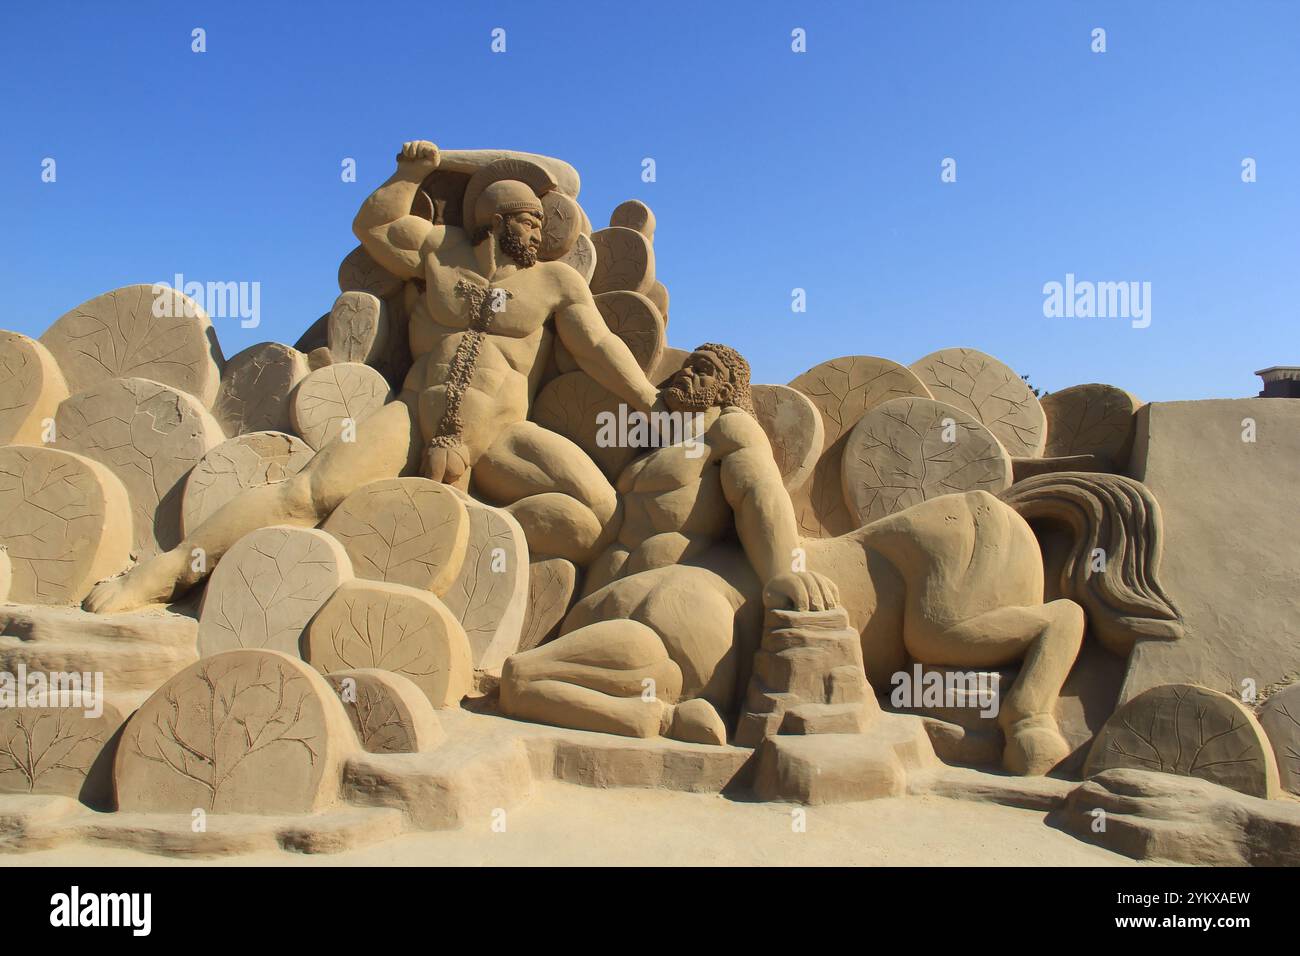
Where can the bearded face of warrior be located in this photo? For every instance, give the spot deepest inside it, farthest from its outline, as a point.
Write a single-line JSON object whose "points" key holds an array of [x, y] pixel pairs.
{"points": [[519, 235], [511, 215], [702, 383]]}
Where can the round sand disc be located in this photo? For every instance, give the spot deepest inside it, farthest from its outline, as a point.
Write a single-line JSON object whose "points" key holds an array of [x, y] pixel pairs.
{"points": [[394, 628], [65, 521], [389, 712], [625, 260], [137, 332], [1090, 419], [359, 272], [634, 214], [561, 225], [32, 388], [1280, 718], [794, 429], [256, 387], [409, 531], [909, 450], [843, 390], [582, 257], [998, 398], [52, 749], [1189, 731], [489, 596], [634, 319], [358, 328], [248, 731], [658, 294], [331, 397], [148, 434], [234, 466], [267, 587], [570, 405]]}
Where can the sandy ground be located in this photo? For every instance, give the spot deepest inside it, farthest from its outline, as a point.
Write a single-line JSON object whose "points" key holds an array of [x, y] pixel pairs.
{"points": [[565, 825]]}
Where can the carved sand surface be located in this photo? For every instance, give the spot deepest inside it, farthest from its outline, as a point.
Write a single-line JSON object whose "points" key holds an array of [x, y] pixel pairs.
{"points": [[335, 398], [149, 435], [571, 405], [31, 388], [1280, 718], [998, 398], [634, 319], [794, 429], [120, 334], [1192, 732], [350, 642], [634, 214], [389, 712], [237, 464], [489, 595], [561, 225], [625, 259], [359, 272], [1091, 420], [582, 257], [358, 328], [843, 389], [405, 530], [911, 449], [551, 582], [267, 587], [54, 749], [256, 388], [248, 731], [394, 628], [65, 521]]}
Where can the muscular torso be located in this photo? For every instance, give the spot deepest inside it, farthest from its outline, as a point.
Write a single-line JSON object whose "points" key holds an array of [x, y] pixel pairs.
{"points": [[674, 509], [511, 354]]}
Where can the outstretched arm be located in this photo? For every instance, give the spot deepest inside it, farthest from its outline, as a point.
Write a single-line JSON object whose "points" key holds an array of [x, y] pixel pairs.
{"points": [[752, 483], [384, 224], [599, 352], [765, 518]]}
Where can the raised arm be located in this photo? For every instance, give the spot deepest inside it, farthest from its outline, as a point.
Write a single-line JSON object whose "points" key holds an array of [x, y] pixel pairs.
{"points": [[384, 224], [598, 351]]}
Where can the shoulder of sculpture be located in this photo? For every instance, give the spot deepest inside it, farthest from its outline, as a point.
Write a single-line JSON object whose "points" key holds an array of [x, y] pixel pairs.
{"points": [[736, 429]]}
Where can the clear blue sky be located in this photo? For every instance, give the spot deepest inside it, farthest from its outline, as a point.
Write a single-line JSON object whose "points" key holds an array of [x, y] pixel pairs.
{"points": [[775, 170]]}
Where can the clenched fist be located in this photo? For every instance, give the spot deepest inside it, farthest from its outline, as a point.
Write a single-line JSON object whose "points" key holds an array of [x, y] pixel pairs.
{"points": [[801, 591], [419, 151]]}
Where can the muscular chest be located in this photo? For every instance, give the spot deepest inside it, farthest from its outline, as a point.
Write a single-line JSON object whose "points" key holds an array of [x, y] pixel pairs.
{"points": [[515, 306]]}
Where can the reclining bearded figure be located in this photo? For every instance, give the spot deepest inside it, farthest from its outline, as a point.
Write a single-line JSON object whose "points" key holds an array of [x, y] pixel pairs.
{"points": [[674, 604]]}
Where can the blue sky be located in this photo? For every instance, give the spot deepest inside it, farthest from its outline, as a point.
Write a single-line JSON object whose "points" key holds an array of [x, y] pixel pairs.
{"points": [[775, 170]]}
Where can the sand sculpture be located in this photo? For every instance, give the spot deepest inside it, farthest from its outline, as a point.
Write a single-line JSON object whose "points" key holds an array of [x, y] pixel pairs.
{"points": [[431, 509]]}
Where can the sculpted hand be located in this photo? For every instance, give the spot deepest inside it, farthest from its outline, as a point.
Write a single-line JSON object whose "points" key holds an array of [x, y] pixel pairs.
{"points": [[801, 591], [419, 151], [447, 464]]}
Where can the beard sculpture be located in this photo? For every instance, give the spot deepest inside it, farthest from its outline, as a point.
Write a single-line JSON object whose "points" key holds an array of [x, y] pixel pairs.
{"points": [[689, 396], [524, 254]]}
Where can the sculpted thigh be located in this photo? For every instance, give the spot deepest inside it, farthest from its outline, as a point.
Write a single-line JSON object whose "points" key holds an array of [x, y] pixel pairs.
{"points": [[693, 610], [526, 459]]}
